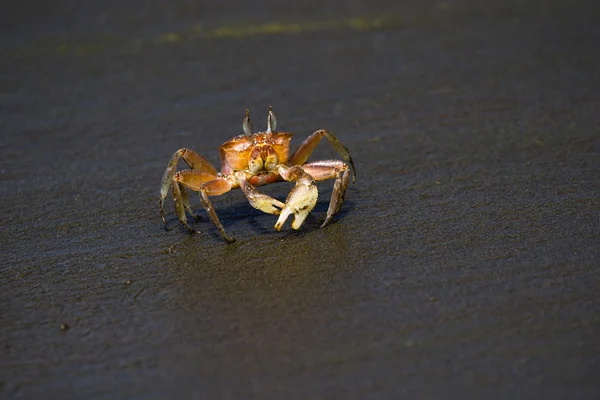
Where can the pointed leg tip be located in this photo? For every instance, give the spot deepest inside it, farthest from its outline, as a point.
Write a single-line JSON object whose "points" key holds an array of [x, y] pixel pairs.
{"points": [[192, 231], [326, 222]]}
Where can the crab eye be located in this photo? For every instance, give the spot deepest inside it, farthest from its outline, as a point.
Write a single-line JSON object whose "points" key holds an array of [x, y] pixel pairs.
{"points": [[247, 124], [271, 120]]}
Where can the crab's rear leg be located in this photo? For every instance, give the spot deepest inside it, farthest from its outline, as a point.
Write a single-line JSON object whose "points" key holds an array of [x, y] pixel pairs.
{"points": [[196, 162], [179, 181], [307, 147], [181, 204], [215, 187], [180, 199], [329, 169]]}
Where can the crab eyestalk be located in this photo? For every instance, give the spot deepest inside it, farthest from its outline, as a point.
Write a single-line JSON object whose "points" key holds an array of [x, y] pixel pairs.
{"points": [[271, 120], [247, 125]]}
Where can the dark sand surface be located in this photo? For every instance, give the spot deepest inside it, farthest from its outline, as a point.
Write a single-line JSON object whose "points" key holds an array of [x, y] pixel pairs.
{"points": [[465, 261]]}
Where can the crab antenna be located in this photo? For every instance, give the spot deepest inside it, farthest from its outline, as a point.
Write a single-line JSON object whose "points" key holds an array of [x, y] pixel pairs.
{"points": [[271, 120], [247, 125]]}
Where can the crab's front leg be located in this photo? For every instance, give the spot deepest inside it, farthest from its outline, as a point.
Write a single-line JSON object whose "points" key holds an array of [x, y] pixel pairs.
{"points": [[301, 200], [195, 181]]}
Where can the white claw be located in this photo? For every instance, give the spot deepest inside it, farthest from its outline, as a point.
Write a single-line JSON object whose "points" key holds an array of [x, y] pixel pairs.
{"points": [[300, 202], [299, 218], [282, 218], [265, 203]]}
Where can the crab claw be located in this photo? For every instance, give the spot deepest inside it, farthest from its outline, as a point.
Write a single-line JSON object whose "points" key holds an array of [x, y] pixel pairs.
{"points": [[264, 203], [301, 200]]}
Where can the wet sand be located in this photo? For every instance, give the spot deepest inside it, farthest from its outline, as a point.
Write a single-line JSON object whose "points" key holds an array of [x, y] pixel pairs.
{"points": [[465, 260]]}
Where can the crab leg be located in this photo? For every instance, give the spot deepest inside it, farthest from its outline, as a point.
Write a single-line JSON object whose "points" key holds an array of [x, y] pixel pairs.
{"points": [[301, 155], [329, 169], [194, 161], [186, 203], [258, 200], [181, 204], [301, 200], [190, 178], [196, 180]]}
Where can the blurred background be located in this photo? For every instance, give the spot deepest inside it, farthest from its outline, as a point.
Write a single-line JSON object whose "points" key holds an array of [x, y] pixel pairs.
{"points": [[465, 260]]}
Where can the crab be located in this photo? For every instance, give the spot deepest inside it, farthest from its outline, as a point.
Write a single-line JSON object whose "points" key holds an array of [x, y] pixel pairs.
{"points": [[256, 159]]}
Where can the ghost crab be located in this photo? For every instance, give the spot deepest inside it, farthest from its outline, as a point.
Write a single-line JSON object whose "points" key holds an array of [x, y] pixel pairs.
{"points": [[257, 159]]}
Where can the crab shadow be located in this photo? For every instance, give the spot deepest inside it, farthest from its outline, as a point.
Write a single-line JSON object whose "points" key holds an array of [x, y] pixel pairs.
{"points": [[238, 213]]}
